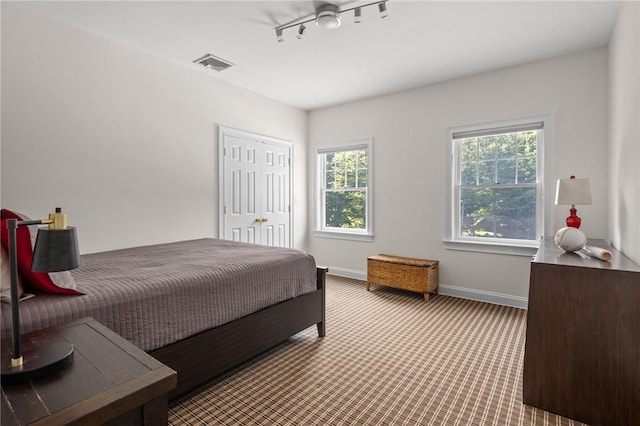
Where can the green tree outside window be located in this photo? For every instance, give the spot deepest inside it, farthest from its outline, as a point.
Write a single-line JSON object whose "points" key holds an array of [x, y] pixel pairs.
{"points": [[345, 189], [497, 185]]}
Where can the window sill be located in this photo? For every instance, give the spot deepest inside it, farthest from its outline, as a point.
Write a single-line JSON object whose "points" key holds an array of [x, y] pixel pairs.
{"points": [[343, 235], [495, 248]]}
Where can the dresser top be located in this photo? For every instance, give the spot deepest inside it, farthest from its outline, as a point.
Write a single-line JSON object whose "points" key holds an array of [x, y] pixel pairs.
{"points": [[552, 254]]}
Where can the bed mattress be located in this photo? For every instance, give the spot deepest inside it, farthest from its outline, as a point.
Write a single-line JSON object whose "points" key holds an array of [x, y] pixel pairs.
{"points": [[160, 294]]}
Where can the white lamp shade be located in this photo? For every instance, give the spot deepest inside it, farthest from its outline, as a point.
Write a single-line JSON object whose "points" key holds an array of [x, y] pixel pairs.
{"points": [[573, 191]]}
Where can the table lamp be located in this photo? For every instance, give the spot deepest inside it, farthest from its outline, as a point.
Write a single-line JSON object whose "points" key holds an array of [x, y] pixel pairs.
{"points": [[56, 249], [573, 191]]}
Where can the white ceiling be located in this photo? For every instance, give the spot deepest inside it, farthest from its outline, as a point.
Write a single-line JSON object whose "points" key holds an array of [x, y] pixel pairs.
{"points": [[419, 43]]}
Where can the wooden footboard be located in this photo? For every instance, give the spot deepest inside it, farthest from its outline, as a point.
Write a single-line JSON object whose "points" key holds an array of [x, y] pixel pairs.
{"points": [[206, 355]]}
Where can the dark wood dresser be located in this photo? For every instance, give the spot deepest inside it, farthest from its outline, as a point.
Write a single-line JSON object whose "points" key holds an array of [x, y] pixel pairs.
{"points": [[582, 352]]}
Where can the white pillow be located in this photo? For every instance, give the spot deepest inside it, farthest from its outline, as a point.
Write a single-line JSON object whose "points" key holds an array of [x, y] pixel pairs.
{"points": [[5, 279]]}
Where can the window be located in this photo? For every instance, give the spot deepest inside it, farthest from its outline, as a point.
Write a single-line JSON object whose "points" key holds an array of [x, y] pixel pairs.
{"points": [[344, 191], [496, 183]]}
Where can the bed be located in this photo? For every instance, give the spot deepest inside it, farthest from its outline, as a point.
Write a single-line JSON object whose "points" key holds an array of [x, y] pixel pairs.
{"points": [[201, 307]]}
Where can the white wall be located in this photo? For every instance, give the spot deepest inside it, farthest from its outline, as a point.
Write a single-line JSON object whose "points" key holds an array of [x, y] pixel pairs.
{"points": [[624, 134], [124, 141], [409, 147]]}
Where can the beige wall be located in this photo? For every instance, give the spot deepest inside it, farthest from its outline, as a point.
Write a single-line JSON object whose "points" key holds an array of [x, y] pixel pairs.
{"points": [[409, 129], [624, 132], [124, 141]]}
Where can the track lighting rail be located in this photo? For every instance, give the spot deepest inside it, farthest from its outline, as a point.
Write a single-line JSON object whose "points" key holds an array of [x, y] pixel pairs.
{"points": [[329, 9]]}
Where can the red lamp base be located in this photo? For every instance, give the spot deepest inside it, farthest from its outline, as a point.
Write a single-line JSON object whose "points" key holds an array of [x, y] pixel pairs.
{"points": [[573, 220]]}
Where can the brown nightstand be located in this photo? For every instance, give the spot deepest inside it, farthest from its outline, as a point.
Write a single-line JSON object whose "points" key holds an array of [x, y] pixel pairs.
{"points": [[111, 381]]}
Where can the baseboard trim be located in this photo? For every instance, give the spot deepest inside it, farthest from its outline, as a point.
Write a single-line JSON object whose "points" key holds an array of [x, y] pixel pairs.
{"points": [[348, 273], [450, 290], [484, 296]]}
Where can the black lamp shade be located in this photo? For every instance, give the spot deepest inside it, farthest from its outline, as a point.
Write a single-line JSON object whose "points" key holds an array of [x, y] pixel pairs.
{"points": [[56, 250]]}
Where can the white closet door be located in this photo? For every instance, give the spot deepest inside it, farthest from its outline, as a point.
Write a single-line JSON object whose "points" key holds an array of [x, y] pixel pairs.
{"points": [[274, 195], [255, 189]]}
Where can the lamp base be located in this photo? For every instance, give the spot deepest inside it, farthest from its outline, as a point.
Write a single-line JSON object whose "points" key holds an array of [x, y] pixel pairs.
{"points": [[39, 361], [573, 220]]}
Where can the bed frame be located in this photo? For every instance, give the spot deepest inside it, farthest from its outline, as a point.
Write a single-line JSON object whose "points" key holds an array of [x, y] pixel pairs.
{"points": [[206, 355]]}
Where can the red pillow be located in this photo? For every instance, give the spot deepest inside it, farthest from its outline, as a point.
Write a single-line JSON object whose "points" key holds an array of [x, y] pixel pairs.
{"points": [[36, 280]]}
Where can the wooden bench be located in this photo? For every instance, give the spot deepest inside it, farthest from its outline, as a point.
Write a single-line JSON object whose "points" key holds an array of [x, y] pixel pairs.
{"points": [[405, 273]]}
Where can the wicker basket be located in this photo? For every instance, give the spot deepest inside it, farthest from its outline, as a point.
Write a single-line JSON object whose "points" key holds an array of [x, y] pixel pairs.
{"points": [[419, 275]]}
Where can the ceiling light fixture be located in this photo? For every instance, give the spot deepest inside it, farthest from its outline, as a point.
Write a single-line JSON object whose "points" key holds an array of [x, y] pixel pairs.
{"points": [[327, 16]]}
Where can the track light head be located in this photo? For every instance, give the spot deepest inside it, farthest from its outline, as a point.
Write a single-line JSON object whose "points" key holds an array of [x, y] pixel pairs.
{"points": [[382, 7], [279, 35], [301, 31], [357, 15]]}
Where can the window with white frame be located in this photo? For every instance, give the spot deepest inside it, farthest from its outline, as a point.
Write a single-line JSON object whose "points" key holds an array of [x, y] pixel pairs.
{"points": [[344, 190], [496, 183]]}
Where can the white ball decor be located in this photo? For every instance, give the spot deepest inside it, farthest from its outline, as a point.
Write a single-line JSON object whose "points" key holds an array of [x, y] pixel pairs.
{"points": [[570, 239]]}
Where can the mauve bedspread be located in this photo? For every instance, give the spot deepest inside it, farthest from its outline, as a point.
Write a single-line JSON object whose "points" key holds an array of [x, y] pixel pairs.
{"points": [[157, 295]]}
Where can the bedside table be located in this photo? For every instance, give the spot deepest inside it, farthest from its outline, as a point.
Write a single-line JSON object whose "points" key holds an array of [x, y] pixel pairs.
{"points": [[111, 381]]}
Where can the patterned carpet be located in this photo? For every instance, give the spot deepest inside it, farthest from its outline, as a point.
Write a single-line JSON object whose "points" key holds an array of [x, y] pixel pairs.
{"points": [[388, 358]]}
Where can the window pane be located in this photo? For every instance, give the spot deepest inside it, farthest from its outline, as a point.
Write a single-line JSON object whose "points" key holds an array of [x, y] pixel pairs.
{"points": [[506, 145], [350, 177], [468, 149], [329, 161], [361, 169], [498, 213], [527, 144], [506, 171], [362, 178], [486, 172], [487, 148], [468, 173], [343, 167], [527, 170], [345, 209], [330, 177], [363, 161]]}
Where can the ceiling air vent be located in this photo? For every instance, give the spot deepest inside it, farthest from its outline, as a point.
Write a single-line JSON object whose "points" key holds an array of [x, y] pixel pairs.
{"points": [[213, 62]]}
